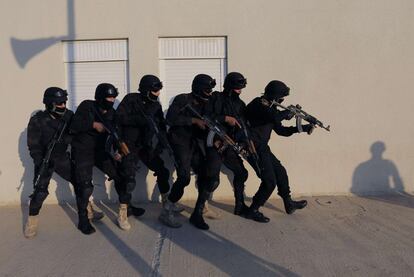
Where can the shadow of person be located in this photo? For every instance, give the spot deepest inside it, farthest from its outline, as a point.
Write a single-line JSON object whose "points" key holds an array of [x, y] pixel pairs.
{"points": [[26, 181], [103, 200], [209, 246], [379, 179]]}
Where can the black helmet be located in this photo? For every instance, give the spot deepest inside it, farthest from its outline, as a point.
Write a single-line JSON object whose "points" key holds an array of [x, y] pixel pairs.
{"points": [[54, 95], [275, 90], [203, 83], [149, 83], [234, 80], [105, 90]]}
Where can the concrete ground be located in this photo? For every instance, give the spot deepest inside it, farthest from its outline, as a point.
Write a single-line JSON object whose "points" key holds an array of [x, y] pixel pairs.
{"points": [[333, 236]]}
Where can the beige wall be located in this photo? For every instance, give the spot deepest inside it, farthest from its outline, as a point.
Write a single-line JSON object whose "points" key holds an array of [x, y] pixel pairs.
{"points": [[348, 62]]}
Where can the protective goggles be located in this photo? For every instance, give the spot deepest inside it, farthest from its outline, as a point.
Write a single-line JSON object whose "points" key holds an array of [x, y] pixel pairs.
{"points": [[156, 86]]}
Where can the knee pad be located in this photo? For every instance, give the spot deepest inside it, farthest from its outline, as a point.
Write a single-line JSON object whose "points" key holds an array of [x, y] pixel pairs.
{"points": [[184, 178]]}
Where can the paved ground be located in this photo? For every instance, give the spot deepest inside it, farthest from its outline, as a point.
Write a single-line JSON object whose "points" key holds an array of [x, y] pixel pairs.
{"points": [[334, 236]]}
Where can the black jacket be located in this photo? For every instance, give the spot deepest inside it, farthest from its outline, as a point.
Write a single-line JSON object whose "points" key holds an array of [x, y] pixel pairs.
{"points": [[227, 104], [40, 131], [134, 128], [84, 135], [263, 119], [179, 118]]}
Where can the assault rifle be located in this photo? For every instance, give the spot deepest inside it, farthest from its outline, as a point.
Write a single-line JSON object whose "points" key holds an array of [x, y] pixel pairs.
{"points": [[249, 142], [250, 146], [57, 137], [119, 143], [162, 139], [215, 129], [300, 115]]}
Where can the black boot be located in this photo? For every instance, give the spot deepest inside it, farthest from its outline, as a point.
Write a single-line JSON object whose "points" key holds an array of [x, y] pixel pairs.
{"points": [[85, 226], [240, 208], [135, 211], [291, 206], [254, 214], [197, 216]]}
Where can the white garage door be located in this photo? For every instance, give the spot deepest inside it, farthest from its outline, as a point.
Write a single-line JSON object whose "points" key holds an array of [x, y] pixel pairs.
{"points": [[89, 63], [183, 58]]}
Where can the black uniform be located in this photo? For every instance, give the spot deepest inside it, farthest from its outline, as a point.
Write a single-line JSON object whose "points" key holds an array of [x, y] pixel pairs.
{"points": [[139, 136], [89, 149], [187, 141], [263, 119], [227, 103], [40, 131]]}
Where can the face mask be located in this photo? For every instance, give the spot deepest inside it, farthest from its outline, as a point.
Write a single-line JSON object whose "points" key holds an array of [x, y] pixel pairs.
{"points": [[280, 100], [205, 95], [106, 105], [152, 97], [56, 111], [59, 111], [233, 94]]}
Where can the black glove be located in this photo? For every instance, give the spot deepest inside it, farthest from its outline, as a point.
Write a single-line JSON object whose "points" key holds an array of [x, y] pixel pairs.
{"points": [[286, 115], [308, 128]]}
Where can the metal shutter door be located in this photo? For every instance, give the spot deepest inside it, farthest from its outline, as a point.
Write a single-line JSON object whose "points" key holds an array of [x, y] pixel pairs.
{"points": [[177, 75], [85, 76], [91, 62]]}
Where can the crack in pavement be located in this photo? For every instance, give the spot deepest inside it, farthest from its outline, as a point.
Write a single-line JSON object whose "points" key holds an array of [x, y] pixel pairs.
{"points": [[156, 258]]}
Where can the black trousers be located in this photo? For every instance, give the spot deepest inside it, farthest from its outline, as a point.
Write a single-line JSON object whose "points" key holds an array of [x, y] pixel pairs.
{"points": [[128, 169], [273, 174], [84, 161], [187, 157], [232, 161], [63, 166]]}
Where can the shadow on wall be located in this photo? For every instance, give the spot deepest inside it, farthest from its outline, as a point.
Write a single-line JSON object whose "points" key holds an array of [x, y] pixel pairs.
{"points": [[26, 49], [379, 179]]}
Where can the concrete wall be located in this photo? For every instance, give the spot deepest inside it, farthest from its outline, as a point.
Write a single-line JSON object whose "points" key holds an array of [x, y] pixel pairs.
{"points": [[348, 62]]}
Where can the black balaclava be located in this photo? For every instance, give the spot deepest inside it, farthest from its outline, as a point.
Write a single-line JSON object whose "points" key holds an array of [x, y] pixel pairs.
{"points": [[148, 84], [234, 80], [53, 96], [103, 91], [202, 86]]}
